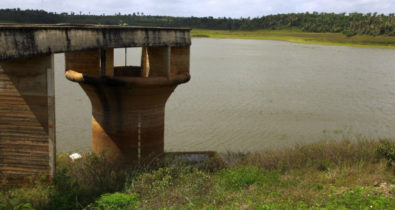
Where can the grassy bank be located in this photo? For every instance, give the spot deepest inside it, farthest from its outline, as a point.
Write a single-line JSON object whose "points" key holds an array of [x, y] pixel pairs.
{"points": [[324, 175], [301, 37]]}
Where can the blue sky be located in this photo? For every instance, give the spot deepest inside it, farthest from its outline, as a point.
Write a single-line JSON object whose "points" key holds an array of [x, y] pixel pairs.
{"points": [[216, 8]]}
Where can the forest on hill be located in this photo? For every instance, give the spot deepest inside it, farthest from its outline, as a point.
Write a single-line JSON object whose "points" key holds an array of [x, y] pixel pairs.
{"points": [[347, 23]]}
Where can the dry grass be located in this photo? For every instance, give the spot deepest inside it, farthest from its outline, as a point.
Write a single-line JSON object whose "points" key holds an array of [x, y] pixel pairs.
{"points": [[318, 155], [331, 174]]}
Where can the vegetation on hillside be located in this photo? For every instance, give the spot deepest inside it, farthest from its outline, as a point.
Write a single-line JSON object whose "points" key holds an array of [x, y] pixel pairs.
{"points": [[383, 41], [324, 175], [349, 24]]}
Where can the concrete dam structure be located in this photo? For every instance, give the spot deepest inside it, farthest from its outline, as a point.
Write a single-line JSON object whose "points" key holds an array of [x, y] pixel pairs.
{"points": [[128, 102]]}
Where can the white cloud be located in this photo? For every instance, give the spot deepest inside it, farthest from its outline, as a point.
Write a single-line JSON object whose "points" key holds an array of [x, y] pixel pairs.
{"points": [[216, 8]]}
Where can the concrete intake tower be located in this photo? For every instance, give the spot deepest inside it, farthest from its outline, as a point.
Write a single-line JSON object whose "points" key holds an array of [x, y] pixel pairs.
{"points": [[128, 102]]}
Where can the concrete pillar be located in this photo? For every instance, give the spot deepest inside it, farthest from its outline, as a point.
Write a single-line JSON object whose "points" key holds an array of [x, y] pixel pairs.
{"points": [[179, 61], [128, 110], [27, 118], [156, 61]]}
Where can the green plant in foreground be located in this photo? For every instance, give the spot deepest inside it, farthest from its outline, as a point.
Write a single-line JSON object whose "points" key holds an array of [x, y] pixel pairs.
{"points": [[386, 149], [315, 176], [359, 198], [25, 197], [117, 201], [65, 191], [245, 176], [288, 204]]}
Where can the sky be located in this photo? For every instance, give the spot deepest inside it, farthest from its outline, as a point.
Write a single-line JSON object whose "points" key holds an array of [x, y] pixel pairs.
{"points": [[203, 8]]}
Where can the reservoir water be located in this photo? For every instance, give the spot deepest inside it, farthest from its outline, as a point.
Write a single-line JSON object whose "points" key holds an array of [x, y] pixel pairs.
{"points": [[248, 95]]}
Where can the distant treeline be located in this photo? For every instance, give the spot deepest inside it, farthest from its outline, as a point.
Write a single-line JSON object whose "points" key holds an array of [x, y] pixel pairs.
{"points": [[349, 24]]}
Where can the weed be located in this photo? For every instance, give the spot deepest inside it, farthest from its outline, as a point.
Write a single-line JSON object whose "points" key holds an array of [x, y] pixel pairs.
{"points": [[359, 198], [116, 201], [171, 185], [244, 176]]}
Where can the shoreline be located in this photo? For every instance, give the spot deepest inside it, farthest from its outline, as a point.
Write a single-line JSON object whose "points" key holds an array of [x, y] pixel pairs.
{"points": [[330, 39]]}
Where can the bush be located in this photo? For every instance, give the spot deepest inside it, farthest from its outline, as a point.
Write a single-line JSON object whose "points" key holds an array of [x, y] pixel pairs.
{"points": [[241, 177], [91, 176], [117, 201], [65, 191], [349, 33], [386, 149], [25, 198]]}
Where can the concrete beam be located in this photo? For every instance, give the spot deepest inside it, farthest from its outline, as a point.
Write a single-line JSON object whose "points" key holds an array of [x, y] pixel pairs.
{"points": [[19, 41]]}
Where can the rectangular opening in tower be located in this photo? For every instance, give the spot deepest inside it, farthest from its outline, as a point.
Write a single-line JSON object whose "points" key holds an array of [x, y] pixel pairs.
{"points": [[127, 61]]}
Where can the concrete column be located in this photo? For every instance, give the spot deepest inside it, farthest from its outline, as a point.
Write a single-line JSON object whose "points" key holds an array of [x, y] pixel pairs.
{"points": [[179, 61], [27, 118], [156, 61]]}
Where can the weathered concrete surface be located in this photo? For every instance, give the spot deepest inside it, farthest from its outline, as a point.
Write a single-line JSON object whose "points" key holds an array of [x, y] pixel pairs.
{"points": [[17, 41], [128, 108], [128, 102], [27, 118]]}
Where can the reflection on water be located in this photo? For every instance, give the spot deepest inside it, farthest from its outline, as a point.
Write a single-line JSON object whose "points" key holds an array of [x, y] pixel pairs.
{"points": [[255, 94]]}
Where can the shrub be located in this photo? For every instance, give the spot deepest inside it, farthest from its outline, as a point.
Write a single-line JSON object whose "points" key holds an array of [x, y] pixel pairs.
{"points": [[386, 149], [117, 201], [241, 177], [25, 198], [349, 33], [65, 191], [93, 175]]}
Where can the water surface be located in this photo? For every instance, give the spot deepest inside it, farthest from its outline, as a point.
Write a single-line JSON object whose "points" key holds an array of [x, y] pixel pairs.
{"points": [[249, 95]]}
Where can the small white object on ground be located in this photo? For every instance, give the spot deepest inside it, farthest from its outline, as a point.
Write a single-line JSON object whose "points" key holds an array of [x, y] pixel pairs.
{"points": [[75, 156]]}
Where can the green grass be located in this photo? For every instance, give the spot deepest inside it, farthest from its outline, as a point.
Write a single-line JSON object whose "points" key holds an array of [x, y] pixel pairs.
{"points": [[301, 37], [324, 175]]}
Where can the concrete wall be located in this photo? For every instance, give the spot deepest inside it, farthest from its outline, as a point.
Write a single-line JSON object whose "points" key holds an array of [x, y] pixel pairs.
{"points": [[27, 118]]}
